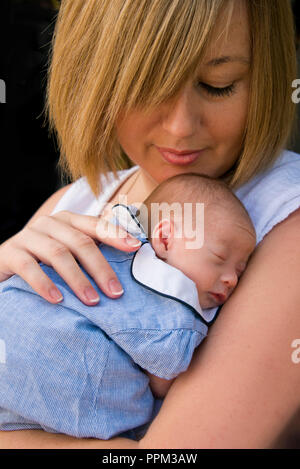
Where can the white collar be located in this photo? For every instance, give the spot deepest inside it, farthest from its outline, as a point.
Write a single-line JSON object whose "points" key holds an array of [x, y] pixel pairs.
{"points": [[155, 274], [125, 215]]}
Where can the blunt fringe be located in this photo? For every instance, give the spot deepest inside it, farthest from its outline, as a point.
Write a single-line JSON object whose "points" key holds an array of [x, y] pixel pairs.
{"points": [[108, 56]]}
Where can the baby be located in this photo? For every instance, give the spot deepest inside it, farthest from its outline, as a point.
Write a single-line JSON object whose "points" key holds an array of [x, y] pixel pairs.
{"points": [[85, 371], [229, 235], [229, 238]]}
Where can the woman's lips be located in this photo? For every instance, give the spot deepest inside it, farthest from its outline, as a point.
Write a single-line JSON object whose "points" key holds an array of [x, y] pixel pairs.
{"points": [[179, 157]]}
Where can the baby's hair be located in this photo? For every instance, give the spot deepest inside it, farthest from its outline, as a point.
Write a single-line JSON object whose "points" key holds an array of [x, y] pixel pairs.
{"points": [[195, 188]]}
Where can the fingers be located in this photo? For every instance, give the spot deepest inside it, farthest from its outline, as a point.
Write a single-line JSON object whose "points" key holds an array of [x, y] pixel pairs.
{"points": [[116, 236], [28, 268], [101, 229], [59, 240], [59, 253]]}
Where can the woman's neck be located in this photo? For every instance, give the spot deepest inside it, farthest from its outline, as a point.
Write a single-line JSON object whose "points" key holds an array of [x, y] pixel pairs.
{"points": [[135, 190], [142, 186]]}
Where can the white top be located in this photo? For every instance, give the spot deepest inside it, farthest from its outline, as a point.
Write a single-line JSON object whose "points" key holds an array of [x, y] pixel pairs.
{"points": [[79, 198], [269, 197]]}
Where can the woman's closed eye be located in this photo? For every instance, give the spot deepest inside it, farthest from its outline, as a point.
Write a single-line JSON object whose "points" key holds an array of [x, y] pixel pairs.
{"points": [[214, 91]]}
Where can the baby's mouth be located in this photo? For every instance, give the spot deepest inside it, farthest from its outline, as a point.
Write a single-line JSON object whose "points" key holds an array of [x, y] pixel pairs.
{"points": [[219, 298]]}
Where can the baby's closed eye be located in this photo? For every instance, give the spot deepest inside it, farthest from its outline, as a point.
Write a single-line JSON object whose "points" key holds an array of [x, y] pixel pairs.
{"points": [[221, 260], [218, 258]]}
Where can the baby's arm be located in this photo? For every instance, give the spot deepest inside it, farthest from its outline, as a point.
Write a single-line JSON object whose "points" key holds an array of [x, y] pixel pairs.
{"points": [[159, 386]]}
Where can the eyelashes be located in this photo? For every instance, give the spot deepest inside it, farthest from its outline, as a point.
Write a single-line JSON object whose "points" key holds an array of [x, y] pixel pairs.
{"points": [[219, 92], [220, 261]]}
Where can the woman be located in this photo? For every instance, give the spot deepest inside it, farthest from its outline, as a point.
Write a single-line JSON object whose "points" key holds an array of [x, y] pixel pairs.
{"points": [[155, 80]]}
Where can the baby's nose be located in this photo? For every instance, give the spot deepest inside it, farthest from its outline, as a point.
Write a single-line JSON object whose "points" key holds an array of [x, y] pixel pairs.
{"points": [[230, 279]]}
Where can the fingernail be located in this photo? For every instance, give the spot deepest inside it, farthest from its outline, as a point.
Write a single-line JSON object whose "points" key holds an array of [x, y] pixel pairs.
{"points": [[115, 287], [132, 242], [91, 295], [55, 295]]}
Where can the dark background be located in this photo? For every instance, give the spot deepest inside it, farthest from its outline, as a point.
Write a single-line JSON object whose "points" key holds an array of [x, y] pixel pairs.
{"points": [[28, 155]]}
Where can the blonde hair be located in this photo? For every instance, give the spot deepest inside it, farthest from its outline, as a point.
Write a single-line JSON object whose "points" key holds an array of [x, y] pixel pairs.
{"points": [[111, 55]]}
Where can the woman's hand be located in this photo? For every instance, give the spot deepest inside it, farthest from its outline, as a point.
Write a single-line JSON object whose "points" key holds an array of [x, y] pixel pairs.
{"points": [[58, 241]]}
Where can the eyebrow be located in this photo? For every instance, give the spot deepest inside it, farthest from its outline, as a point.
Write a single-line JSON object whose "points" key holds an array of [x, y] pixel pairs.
{"points": [[224, 59]]}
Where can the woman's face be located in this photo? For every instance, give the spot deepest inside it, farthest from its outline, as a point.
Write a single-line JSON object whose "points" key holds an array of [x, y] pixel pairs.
{"points": [[201, 117]]}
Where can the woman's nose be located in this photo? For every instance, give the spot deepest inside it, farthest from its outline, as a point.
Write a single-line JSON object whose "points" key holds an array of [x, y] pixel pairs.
{"points": [[180, 116]]}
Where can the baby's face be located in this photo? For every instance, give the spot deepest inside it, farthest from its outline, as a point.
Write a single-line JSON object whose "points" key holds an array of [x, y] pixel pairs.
{"points": [[216, 267]]}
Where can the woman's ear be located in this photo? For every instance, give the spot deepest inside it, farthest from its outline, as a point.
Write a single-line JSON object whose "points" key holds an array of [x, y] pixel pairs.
{"points": [[162, 238]]}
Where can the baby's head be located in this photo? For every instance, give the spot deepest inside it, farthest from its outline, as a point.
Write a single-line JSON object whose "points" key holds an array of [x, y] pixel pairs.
{"points": [[228, 235]]}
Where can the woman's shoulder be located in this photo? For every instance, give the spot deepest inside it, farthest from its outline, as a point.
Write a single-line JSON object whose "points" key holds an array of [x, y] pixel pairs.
{"points": [[285, 169], [274, 194]]}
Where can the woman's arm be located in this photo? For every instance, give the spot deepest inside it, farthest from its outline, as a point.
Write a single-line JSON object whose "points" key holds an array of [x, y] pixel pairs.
{"points": [[38, 439], [242, 386], [159, 386]]}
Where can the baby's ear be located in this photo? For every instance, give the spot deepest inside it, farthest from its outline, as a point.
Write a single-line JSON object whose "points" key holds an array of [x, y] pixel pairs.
{"points": [[162, 238]]}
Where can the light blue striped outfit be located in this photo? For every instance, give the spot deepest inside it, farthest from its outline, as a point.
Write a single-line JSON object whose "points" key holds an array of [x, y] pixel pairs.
{"points": [[77, 369]]}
